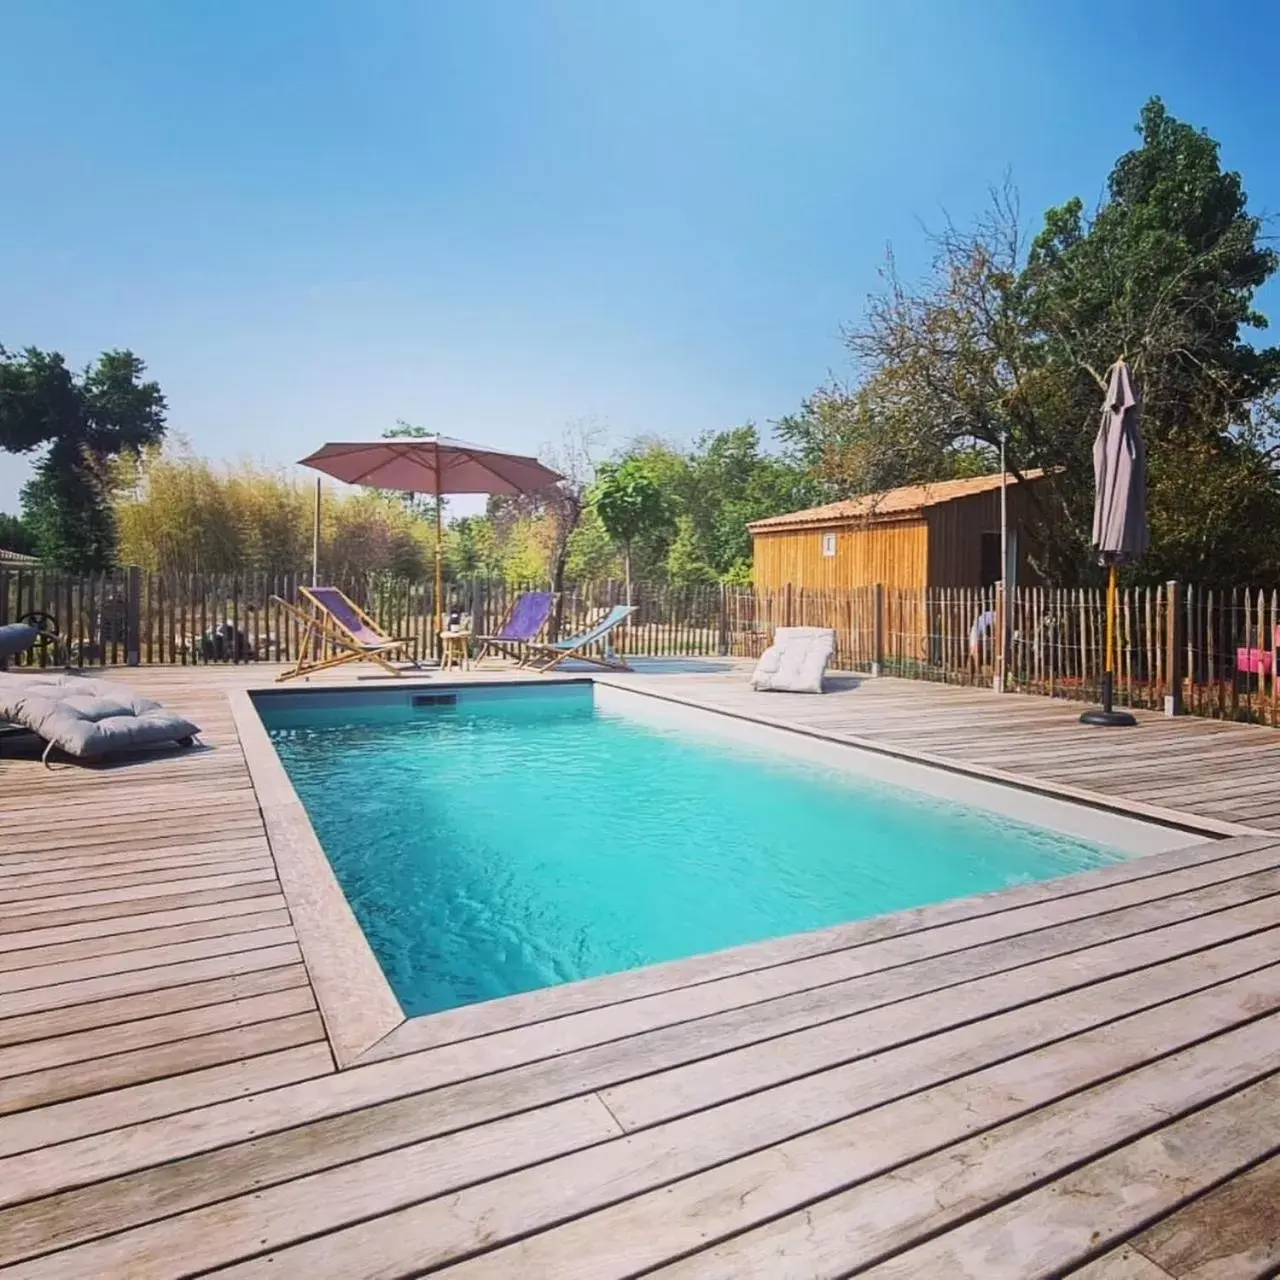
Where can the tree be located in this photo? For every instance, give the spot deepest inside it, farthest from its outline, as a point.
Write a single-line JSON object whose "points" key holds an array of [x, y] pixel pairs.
{"points": [[84, 422], [471, 549], [559, 509], [998, 340], [732, 483], [712, 492], [685, 565], [178, 513], [1164, 272], [668, 466], [15, 536], [419, 504], [566, 501], [940, 367], [592, 555], [629, 502]]}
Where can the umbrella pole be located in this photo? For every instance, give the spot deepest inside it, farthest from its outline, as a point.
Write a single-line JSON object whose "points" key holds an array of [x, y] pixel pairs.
{"points": [[315, 541], [1108, 716], [435, 640], [1108, 677]]}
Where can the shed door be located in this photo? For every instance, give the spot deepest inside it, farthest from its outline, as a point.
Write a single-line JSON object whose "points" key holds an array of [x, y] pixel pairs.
{"points": [[990, 559]]}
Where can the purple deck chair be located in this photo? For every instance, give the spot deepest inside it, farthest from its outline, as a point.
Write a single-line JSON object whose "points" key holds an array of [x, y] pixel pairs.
{"points": [[524, 624]]}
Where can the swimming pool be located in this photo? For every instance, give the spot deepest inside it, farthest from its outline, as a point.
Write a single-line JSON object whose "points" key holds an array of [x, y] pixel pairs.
{"points": [[495, 840]]}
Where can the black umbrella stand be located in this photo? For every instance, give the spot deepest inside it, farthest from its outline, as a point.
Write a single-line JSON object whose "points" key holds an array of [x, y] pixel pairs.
{"points": [[1108, 716]]}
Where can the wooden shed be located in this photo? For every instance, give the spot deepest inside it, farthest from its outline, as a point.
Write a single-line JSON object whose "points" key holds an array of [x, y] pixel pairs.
{"points": [[945, 534]]}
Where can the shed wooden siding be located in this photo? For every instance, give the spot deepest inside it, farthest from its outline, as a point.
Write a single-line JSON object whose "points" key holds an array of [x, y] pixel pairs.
{"points": [[895, 553], [955, 537]]}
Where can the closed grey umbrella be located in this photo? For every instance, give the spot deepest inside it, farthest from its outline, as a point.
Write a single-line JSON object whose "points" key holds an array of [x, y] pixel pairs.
{"points": [[1120, 475], [1120, 533]]}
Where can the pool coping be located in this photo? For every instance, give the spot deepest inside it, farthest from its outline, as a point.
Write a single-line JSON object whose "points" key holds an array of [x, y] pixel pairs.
{"points": [[1157, 814], [355, 999], [363, 1018]]}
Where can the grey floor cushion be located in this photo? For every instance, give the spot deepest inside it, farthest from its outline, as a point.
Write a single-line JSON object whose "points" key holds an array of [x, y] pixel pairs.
{"points": [[87, 717]]}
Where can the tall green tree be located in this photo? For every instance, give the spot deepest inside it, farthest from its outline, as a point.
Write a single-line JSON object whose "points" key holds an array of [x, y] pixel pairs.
{"points": [[1164, 273], [629, 503], [83, 422], [997, 340]]}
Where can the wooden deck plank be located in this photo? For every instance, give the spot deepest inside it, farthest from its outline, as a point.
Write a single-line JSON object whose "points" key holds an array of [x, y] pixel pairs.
{"points": [[1231, 1233], [66, 942], [18, 898], [63, 1122], [259, 871], [1107, 1199], [106, 1071], [1123, 1263], [162, 1119], [139, 865], [42, 964], [119, 1037], [143, 826], [615, 1061], [93, 819], [736, 1128], [102, 857], [221, 962], [228, 1230], [704, 1081], [68, 973], [989, 1175], [52, 1023], [757, 1135], [117, 908]]}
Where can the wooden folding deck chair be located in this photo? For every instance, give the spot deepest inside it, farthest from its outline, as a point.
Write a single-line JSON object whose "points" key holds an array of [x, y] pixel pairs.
{"points": [[523, 624], [338, 631], [546, 657]]}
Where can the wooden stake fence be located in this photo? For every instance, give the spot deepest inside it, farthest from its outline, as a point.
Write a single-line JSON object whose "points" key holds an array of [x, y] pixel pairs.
{"points": [[1211, 651]]}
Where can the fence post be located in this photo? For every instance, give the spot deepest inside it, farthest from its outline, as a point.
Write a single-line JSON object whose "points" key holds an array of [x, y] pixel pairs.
{"points": [[1002, 636], [1175, 649], [4, 595], [786, 606], [723, 644], [877, 629], [133, 614]]}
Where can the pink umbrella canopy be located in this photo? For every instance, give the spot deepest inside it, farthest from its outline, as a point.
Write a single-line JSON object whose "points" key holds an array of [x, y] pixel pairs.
{"points": [[432, 464], [428, 464]]}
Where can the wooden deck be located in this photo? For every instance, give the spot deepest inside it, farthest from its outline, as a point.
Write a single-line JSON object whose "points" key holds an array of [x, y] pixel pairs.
{"points": [[1076, 1078]]}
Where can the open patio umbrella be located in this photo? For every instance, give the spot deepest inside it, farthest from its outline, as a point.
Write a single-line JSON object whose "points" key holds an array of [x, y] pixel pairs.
{"points": [[1119, 509], [431, 464]]}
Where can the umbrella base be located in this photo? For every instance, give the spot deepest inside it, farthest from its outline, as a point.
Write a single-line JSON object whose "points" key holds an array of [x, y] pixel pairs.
{"points": [[1106, 716], [1115, 718]]}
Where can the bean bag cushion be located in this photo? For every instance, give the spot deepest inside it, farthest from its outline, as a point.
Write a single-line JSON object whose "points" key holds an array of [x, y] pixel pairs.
{"points": [[86, 717], [796, 660]]}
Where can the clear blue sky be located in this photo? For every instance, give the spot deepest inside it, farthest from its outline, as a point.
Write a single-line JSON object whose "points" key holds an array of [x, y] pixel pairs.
{"points": [[495, 216]]}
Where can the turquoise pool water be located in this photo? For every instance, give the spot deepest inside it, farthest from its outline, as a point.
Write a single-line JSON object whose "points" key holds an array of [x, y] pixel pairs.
{"points": [[520, 840]]}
